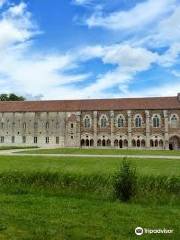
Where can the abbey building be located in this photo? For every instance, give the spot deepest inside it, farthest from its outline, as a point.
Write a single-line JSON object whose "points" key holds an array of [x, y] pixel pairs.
{"points": [[148, 123]]}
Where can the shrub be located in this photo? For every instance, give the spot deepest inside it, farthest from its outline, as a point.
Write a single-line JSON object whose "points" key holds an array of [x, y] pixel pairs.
{"points": [[125, 181]]}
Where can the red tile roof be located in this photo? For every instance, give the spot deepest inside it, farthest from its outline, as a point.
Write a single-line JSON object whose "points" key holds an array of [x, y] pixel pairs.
{"points": [[91, 104]]}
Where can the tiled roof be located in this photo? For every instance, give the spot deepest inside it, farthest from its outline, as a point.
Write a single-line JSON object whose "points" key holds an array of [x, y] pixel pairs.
{"points": [[91, 104]]}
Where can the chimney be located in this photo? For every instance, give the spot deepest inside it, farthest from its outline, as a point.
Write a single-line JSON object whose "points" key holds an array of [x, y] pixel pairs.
{"points": [[178, 97]]}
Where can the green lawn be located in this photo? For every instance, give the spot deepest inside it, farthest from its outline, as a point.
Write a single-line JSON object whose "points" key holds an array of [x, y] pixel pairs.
{"points": [[16, 147], [85, 165], [34, 206], [42, 217], [104, 151]]}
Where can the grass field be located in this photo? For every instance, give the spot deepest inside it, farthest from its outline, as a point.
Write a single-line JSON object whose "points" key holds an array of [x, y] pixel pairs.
{"points": [[104, 151], [44, 198], [86, 166], [16, 147]]}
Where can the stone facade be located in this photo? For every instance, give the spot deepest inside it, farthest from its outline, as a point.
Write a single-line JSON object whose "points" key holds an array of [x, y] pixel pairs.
{"points": [[131, 128]]}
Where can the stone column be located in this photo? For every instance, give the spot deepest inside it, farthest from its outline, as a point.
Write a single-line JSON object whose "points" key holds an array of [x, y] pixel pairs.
{"points": [[166, 130], [112, 128], [95, 127], [78, 129], [129, 129], [147, 129]]}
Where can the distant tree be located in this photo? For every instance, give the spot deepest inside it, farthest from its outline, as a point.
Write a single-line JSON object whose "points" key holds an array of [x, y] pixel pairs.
{"points": [[11, 97]]}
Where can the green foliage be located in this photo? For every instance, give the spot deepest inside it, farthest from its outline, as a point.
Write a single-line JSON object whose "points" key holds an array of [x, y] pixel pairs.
{"points": [[44, 198], [125, 181], [11, 97]]}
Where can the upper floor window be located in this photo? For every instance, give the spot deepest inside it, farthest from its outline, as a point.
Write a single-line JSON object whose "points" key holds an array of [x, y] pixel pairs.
{"points": [[156, 121], [35, 125], [24, 125], [138, 121], [103, 121], [87, 122], [57, 125], [47, 125], [120, 121], [2, 125], [174, 121]]}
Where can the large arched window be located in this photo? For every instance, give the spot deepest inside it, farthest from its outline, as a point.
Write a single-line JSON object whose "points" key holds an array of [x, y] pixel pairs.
{"points": [[103, 121], [174, 121], [87, 122], [138, 121], [156, 121], [120, 121]]}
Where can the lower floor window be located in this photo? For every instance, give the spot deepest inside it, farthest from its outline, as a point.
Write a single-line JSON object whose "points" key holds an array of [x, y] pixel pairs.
{"points": [[2, 139], [13, 139], [24, 139], [47, 139], [35, 139], [57, 140]]}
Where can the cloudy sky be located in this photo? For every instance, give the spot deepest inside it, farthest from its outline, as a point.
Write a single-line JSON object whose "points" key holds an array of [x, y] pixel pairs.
{"points": [[71, 49]]}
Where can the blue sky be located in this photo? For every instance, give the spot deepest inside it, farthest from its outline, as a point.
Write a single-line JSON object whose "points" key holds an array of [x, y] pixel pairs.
{"points": [[90, 48]]}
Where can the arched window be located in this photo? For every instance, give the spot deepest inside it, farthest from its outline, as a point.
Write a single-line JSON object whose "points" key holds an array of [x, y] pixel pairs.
{"points": [[82, 142], [120, 122], [108, 142], [103, 122], [138, 143], [156, 121], [151, 143], [99, 142], [125, 143], [91, 142], [133, 143], [174, 121], [87, 122], [138, 121], [116, 143], [143, 143], [156, 143]]}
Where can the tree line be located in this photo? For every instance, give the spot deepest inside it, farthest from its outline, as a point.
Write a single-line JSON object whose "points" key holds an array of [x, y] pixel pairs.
{"points": [[11, 97]]}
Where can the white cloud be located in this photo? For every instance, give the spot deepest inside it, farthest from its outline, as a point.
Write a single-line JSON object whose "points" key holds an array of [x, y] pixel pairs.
{"points": [[141, 15], [128, 62], [82, 2], [57, 75], [30, 72]]}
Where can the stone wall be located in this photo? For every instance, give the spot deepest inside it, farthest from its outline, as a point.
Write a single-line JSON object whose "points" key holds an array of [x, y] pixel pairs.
{"points": [[67, 129]]}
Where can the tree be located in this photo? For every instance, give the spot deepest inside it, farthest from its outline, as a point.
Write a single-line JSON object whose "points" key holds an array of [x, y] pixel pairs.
{"points": [[11, 97]]}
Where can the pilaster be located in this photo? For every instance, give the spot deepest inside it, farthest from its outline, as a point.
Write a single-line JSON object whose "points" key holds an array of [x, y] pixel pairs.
{"points": [[147, 129], [166, 130], [95, 127], [112, 128], [129, 129]]}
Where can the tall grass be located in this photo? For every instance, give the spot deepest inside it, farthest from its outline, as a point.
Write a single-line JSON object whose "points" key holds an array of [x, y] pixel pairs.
{"points": [[149, 188]]}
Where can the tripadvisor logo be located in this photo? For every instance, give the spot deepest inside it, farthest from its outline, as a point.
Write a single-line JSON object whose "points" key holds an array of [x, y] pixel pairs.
{"points": [[139, 231]]}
